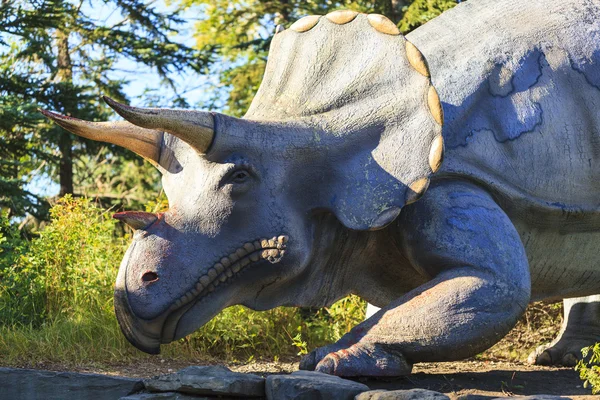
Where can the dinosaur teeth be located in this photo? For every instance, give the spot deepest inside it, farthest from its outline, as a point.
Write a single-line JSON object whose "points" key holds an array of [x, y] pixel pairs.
{"points": [[269, 249], [219, 268], [241, 252], [212, 273], [205, 280]]}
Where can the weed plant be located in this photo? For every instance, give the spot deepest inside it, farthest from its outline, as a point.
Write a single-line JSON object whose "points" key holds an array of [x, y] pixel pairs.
{"points": [[589, 368]]}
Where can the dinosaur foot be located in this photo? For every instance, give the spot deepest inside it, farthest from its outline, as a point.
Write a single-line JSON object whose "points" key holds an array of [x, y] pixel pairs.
{"points": [[309, 362], [563, 352], [358, 360]]}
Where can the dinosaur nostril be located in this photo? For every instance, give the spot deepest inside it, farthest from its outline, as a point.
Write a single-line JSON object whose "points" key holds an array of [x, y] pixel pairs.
{"points": [[150, 276]]}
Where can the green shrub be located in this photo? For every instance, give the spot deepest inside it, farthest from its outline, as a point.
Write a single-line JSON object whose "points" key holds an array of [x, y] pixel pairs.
{"points": [[79, 256], [69, 269], [19, 284], [589, 368], [56, 302], [240, 333]]}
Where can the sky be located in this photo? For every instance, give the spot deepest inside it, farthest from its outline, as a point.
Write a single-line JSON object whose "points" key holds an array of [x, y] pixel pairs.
{"points": [[141, 77]]}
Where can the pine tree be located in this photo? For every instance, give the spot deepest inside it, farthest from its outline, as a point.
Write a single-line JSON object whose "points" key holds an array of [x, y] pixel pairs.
{"points": [[57, 55]]}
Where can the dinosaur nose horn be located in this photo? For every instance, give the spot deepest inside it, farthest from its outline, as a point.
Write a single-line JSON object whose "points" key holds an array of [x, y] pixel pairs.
{"points": [[136, 219]]}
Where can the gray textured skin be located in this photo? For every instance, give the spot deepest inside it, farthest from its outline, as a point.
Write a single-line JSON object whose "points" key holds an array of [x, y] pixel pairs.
{"points": [[525, 125], [336, 135]]}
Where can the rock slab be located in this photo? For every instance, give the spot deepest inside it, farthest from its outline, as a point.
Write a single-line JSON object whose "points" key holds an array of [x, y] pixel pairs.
{"points": [[209, 380], [309, 385], [29, 384], [412, 394], [172, 396]]}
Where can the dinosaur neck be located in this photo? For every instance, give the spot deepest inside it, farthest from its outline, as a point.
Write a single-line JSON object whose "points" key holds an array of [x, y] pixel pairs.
{"points": [[344, 262]]}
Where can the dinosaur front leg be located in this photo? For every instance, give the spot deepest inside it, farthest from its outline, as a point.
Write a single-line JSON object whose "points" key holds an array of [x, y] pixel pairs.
{"points": [[479, 288]]}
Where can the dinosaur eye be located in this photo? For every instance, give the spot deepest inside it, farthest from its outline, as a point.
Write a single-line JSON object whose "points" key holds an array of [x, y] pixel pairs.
{"points": [[240, 176]]}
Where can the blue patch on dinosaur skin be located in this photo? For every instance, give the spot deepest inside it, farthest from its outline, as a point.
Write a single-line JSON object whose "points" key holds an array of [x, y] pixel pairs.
{"points": [[589, 68], [519, 113]]}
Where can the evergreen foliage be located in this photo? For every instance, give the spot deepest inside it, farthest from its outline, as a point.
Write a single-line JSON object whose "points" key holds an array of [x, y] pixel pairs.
{"points": [[57, 55]]}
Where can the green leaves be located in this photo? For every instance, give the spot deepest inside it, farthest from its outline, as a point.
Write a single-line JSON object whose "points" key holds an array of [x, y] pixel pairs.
{"points": [[589, 368], [421, 11], [68, 270]]}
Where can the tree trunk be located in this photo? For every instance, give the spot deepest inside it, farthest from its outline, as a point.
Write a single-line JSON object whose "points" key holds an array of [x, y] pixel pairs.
{"points": [[65, 144], [66, 164]]}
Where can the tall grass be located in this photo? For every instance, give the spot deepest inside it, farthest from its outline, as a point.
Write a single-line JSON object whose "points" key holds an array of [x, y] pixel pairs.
{"points": [[56, 302]]}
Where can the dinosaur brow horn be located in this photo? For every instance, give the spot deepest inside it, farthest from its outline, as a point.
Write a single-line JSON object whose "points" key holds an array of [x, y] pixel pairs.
{"points": [[145, 142], [196, 128]]}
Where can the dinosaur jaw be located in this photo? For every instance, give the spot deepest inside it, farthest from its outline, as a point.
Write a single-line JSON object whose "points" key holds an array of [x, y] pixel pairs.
{"points": [[202, 296], [205, 298], [227, 269]]}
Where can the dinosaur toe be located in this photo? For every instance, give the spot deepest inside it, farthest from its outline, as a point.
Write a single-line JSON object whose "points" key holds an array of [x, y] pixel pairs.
{"points": [[364, 360]]}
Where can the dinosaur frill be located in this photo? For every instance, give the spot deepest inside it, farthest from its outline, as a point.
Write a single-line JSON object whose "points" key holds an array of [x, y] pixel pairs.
{"points": [[354, 78]]}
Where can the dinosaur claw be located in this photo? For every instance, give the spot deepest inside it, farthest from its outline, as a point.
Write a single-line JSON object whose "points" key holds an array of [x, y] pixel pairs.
{"points": [[544, 359], [308, 362], [328, 365], [569, 360]]}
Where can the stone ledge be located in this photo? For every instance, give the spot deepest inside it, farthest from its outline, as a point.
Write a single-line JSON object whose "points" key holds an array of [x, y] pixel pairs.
{"points": [[205, 383], [29, 384]]}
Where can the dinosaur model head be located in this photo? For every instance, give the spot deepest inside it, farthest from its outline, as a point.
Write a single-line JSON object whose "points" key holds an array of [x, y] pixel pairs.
{"points": [[345, 124]]}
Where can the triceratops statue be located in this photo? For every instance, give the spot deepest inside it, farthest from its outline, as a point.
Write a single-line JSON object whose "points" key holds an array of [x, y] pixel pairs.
{"points": [[313, 194]]}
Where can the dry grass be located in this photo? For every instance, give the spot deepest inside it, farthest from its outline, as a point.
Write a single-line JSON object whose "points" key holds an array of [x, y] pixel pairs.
{"points": [[538, 326]]}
